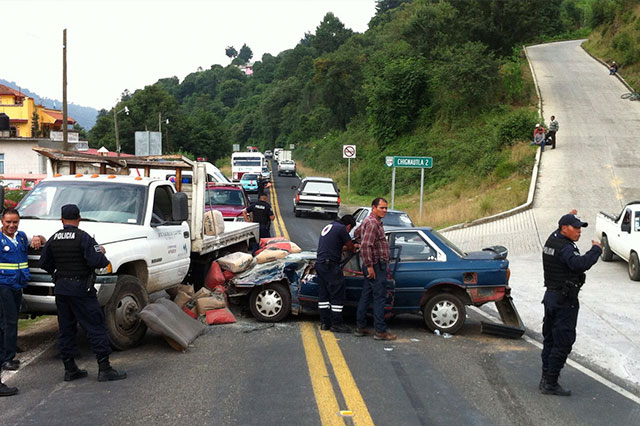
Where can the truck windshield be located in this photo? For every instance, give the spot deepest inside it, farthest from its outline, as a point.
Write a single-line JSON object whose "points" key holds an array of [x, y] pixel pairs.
{"points": [[247, 161], [110, 202]]}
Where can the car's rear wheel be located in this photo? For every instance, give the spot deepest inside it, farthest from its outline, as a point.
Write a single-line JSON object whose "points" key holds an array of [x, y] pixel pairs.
{"points": [[444, 312], [270, 303], [607, 254], [634, 267]]}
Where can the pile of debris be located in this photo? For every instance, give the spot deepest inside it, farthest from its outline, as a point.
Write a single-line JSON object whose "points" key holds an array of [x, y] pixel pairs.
{"points": [[210, 304]]}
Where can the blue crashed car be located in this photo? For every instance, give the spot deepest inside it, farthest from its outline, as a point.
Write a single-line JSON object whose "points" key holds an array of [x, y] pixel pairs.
{"points": [[428, 274]]}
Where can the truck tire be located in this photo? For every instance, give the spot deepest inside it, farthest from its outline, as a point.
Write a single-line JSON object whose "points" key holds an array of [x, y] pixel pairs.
{"points": [[634, 267], [445, 312], [296, 212], [270, 303], [125, 327], [607, 254]]}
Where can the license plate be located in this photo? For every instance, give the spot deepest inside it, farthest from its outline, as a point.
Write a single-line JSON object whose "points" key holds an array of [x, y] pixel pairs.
{"points": [[318, 210]]}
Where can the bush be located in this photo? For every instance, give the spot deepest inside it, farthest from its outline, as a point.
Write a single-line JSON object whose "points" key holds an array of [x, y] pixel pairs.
{"points": [[517, 125]]}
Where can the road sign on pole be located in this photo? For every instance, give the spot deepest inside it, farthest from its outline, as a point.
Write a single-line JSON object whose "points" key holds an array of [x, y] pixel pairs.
{"points": [[236, 147], [292, 146], [407, 162], [348, 152]]}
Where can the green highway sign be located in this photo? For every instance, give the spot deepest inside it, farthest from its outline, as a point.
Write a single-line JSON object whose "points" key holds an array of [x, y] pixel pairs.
{"points": [[415, 162]]}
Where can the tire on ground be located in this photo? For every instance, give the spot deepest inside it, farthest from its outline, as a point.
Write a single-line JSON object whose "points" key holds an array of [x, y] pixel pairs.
{"points": [[445, 312], [634, 266], [270, 303], [125, 327], [607, 254]]}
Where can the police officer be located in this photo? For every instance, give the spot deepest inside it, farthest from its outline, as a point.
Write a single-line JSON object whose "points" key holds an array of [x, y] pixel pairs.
{"points": [[262, 215], [14, 274], [564, 274], [334, 239], [71, 255]]}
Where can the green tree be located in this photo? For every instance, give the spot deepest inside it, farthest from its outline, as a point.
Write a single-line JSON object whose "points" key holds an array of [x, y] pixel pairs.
{"points": [[395, 96], [245, 53], [231, 52], [330, 34]]}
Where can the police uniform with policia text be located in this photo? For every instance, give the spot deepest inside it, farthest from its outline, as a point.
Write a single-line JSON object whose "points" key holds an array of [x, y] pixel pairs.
{"points": [[564, 275], [262, 214], [331, 284], [71, 255]]}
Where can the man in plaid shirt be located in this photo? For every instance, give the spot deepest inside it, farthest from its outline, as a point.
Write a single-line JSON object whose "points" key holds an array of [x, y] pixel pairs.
{"points": [[374, 250]]}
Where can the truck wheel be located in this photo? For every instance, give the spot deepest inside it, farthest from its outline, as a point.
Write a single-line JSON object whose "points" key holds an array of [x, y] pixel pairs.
{"points": [[125, 327], [607, 254], [270, 303], [296, 212], [444, 312], [634, 267]]}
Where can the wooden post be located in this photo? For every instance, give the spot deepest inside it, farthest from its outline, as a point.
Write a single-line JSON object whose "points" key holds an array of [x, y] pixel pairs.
{"points": [[65, 136]]}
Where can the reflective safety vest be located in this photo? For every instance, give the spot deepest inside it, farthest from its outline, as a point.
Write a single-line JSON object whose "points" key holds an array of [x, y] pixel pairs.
{"points": [[14, 266]]}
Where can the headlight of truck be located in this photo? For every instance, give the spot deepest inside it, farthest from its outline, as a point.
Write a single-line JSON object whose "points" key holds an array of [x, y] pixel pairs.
{"points": [[105, 271]]}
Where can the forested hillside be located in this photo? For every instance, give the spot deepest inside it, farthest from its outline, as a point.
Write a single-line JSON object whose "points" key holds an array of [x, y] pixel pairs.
{"points": [[616, 36], [440, 78]]}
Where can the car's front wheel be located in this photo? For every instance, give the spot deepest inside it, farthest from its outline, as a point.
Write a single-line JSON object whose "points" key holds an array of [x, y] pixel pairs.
{"points": [[444, 312], [270, 303]]}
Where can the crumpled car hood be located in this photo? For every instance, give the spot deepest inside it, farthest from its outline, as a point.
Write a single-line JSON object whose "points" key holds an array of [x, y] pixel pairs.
{"points": [[290, 268]]}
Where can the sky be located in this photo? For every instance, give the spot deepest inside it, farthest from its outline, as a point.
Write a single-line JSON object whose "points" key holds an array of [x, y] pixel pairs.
{"points": [[128, 44]]}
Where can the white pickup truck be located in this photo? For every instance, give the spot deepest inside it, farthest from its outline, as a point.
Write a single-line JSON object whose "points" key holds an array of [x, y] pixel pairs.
{"points": [[153, 231], [620, 235]]}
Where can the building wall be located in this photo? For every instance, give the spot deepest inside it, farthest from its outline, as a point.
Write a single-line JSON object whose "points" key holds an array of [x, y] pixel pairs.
{"points": [[20, 159], [22, 111]]}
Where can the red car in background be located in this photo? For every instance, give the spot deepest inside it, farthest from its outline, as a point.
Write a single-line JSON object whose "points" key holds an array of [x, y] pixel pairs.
{"points": [[230, 199]]}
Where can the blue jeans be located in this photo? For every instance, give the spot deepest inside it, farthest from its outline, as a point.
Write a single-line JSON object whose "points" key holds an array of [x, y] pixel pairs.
{"points": [[10, 300], [373, 289]]}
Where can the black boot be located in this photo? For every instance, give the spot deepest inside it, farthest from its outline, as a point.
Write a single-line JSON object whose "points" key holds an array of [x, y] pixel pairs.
{"points": [[552, 387], [543, 380], [106, 373], [71, 370], [7, 390]]}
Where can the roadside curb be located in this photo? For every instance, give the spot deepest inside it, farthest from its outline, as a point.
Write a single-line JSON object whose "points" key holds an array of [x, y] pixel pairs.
{"points": [[617, 75], [534, 174]]}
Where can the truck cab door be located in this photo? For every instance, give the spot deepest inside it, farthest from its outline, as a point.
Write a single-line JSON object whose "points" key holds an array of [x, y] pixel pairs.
{"points": [[622, 244], [169, 241]]}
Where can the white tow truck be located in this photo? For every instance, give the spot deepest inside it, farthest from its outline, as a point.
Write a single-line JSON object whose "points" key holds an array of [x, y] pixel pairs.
{"points": [[620, 235], [152, 230]]}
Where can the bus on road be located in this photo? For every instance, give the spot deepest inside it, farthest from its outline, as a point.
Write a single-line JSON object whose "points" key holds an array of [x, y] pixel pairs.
{"points": [[246, 162]]}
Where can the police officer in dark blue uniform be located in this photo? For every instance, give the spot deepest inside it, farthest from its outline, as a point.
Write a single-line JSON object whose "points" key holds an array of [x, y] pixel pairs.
{"points": [[564, 275], [262, 214], [334, 239], [71, 255]]}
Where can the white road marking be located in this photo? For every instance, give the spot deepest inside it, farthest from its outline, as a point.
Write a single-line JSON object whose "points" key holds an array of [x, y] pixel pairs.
{"points": [[573, 364]]}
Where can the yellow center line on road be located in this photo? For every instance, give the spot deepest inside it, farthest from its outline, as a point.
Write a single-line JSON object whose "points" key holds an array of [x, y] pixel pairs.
{"points": [[320, 381], [276, 206], [323, 390], [348, 386]]}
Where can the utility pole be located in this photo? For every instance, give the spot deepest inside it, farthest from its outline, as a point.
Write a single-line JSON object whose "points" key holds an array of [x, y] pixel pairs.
{"points": [[65, 136], [115, 123]]}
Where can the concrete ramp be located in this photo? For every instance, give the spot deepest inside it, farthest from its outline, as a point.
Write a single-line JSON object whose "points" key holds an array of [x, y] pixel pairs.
{"points": [[596, 166]]}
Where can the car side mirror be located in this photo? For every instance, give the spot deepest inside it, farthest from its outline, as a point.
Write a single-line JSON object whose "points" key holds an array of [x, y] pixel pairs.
{"points": [[626, 227], [179, 207]]}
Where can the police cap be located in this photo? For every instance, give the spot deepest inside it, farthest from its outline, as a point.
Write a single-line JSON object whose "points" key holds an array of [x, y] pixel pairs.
{"points": [[70, 212], [572, 220]]}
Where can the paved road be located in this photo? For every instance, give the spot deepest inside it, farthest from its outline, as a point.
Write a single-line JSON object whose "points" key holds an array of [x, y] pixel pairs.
{"points": [[291, 373], [594, 167]]}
